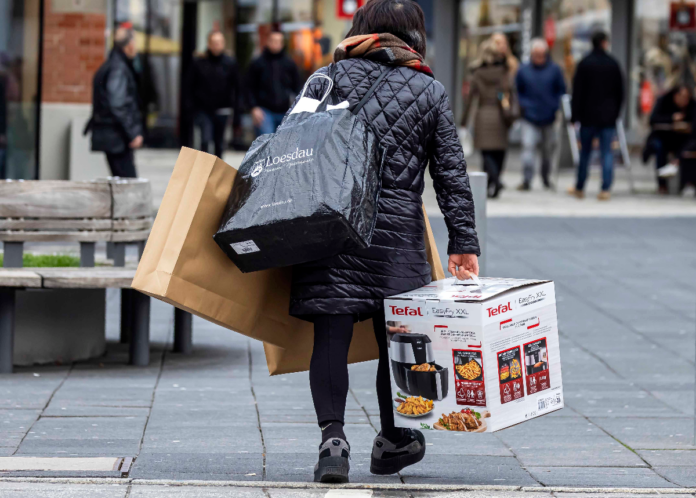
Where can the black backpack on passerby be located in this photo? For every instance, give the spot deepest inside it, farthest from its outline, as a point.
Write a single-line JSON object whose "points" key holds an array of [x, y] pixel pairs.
{"points": [[307, 191]]}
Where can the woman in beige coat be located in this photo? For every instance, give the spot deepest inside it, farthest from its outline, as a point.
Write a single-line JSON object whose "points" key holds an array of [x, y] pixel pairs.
{"points": [[492, 94]]}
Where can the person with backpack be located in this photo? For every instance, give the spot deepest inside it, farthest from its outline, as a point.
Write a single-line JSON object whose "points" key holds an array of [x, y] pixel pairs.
{"points": [[410, 115], [116, 123]]}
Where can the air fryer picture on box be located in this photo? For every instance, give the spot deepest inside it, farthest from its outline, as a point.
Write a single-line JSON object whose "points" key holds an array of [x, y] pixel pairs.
{"points": [[474, 356]]}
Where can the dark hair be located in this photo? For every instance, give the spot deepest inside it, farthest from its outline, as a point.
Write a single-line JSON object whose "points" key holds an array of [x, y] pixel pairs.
{"points": [[402, 18], [598, 38]]}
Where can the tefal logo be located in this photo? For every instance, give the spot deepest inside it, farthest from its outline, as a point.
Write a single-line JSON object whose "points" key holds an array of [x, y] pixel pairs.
{"points": [[499, 310], [406, 311]]}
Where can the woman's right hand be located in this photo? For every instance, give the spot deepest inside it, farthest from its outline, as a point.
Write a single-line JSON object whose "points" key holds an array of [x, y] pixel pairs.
{"points": [[463, 265]]}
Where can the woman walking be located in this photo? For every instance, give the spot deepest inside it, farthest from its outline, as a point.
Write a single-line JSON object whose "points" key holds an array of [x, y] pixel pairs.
{"points": [[491, 88], [410, 115]]}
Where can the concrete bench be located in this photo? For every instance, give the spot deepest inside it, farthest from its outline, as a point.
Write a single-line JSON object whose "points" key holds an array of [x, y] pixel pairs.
{"points": [[135, 318]]}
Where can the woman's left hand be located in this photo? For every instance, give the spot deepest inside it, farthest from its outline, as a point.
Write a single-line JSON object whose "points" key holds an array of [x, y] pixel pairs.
{"points": [[463, 265]]}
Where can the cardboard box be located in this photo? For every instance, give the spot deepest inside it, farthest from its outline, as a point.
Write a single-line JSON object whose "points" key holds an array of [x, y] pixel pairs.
{"points": [[491, 350]]}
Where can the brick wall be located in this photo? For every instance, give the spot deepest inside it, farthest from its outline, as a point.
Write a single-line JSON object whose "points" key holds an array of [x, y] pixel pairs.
{"points": [[74, 48]]}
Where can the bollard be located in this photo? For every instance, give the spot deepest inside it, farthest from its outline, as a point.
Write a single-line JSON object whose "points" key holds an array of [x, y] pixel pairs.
{"points": [[479, 189]]}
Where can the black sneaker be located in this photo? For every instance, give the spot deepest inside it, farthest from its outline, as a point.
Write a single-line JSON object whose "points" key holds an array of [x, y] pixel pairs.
{"points": [[333, 465], [390, 458]]}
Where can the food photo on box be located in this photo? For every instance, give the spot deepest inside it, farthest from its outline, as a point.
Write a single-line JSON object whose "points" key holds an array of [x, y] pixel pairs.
{"points": [[474, 356]]}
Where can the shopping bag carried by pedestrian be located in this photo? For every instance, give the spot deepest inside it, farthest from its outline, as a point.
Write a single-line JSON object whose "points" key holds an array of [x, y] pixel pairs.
{"points": [[182, 265], [363, 347], [308, 191]]}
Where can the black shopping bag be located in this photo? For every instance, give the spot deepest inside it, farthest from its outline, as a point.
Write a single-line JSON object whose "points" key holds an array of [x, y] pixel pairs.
{"points": [[306, 192]]}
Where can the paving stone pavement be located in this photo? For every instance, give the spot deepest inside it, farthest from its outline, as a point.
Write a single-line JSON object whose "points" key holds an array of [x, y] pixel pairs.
{"points": [[626, 290]]}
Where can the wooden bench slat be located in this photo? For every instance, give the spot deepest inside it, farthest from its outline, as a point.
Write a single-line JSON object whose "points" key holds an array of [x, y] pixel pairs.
{"points": [[19, 277], [132, 224], [86, 278], [54, 199], [55, 224], [134, 236], [132, 199], [55, 236]]}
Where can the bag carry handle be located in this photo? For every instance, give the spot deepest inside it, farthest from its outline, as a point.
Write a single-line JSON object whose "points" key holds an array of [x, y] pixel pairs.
{"points": [[369, 93], [474, 278], [314, 76]]}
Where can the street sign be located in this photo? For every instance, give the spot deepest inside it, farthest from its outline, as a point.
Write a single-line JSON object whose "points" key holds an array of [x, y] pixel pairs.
{"points": [[682, 16], [345, 9]]}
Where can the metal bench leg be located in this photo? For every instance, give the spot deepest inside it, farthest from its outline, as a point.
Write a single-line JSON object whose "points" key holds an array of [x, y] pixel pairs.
{"points": [[140, 338], [119, 254], [14, 253], [7, 321], [87, 254], [141, 249], [183, 331], [126, 315]]}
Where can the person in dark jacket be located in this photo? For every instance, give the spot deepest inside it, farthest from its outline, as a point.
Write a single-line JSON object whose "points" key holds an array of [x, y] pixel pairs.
{"points": [[671, 120], [410, 115], [273, 81], [598, 93], [215, 89], [540, 85], [116, 122]]}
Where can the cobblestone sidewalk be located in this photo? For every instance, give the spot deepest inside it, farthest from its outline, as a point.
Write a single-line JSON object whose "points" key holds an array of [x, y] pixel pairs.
{"points": [[627, 301]]}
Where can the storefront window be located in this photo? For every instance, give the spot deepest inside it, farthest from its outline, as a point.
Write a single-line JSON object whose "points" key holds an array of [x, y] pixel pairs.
{"points": [[158, 63], [19, 57], [665, 56], [568, 29], [481, 19], [298, 19]]}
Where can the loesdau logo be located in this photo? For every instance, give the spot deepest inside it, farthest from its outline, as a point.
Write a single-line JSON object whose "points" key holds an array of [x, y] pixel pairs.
{"points": [[499, 310], [270, 161], [406, 311]]}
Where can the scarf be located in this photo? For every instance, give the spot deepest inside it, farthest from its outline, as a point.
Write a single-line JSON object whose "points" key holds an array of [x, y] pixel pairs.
{"points": [[381, 47]]}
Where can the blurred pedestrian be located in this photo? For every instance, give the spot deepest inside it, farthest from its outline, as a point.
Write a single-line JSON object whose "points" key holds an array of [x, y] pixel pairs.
{"points": [[671, 121], [598, 93], [116, 121], [215, 89], [503, 46], [491, 91], [540, 85], [273, 83]]}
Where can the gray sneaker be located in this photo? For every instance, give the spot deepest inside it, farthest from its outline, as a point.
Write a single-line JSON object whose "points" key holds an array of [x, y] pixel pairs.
{"points": [[333, 465], [390, 458]]}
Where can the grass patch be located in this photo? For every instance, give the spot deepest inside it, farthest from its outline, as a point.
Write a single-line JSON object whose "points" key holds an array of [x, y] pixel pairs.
{"points": [[47, 260]]}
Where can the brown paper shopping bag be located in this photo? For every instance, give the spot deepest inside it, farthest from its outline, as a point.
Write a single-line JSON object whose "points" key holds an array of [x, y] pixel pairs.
{"points": [[363, 347], [183, 266]]}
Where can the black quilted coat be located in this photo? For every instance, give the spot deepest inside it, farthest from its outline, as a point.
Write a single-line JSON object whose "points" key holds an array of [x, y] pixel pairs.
{"points": [[410, 113]]}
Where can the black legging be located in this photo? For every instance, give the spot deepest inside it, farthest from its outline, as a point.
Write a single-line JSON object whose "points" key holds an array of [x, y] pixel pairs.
{"points": [[493, 162], [328, 370]]}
